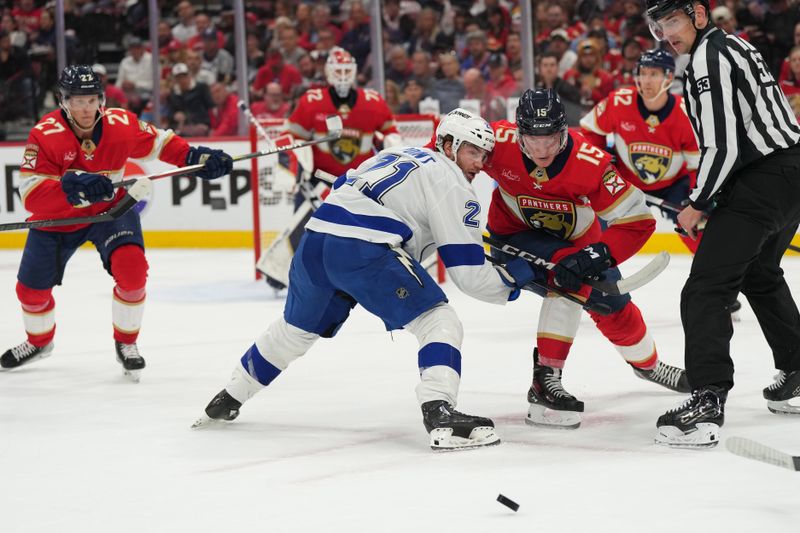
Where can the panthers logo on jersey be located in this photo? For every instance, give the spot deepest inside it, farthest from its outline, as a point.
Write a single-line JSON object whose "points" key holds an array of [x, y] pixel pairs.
{"points": [[556, 217], [345, 149], [651, 162]]}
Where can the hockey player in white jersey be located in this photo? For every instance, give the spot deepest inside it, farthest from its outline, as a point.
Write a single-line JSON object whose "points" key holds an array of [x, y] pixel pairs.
{"points": [[364, 245]]}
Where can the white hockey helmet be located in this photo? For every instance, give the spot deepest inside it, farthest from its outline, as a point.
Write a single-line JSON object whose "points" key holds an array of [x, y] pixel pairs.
{"points": [[340, 71], [464, 126]]}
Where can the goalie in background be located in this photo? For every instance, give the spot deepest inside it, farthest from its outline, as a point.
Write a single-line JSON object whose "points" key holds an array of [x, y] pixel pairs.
{"points": [[72, 159], [364, 245], [364, 113]]}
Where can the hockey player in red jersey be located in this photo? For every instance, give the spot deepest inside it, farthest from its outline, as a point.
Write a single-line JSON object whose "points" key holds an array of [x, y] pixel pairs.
{"points": [[552, 187], [655, 146], [71, 161], [653, 139], [363, 113]]}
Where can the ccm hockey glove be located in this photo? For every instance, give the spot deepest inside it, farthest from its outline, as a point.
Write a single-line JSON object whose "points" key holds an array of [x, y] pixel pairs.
{"points": [[587, 263], [217, 163], [81, 188]]}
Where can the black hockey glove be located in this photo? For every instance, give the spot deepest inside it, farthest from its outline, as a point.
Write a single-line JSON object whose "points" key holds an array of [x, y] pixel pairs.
{"points": [[217, 162], [86, 187], [587, 263]]}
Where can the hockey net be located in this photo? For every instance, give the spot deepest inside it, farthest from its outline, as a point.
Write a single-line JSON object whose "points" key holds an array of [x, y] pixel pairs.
{"points": [[273, 177]]}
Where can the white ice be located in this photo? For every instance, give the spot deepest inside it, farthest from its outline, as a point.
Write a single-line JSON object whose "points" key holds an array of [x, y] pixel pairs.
{"points": [[337, 442]]}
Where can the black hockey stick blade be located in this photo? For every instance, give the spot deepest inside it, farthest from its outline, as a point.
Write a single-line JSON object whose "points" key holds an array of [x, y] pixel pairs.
{"points": [[761, 452], [141, 188], [658, 202], [625, 285], [597, 307]]}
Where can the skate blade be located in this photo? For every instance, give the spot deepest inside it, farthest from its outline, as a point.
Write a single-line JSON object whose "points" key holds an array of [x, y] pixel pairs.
{"points": [[541, 416], [205, 421], [704, 437], [442, 439], [783, 408], [133, 375]]}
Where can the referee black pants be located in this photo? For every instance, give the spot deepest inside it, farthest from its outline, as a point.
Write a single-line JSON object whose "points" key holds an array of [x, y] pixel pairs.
{"points": [[741, 250]]}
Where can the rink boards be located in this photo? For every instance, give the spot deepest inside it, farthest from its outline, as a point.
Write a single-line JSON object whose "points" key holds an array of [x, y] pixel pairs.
{"points": [[185, 212]]}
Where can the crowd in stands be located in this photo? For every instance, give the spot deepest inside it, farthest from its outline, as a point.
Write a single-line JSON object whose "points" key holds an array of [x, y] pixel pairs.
{"points": [[445, 50]]}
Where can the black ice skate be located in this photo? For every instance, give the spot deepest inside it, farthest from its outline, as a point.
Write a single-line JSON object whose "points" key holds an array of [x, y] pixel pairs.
{"points": [[551, 405], [696, 422], [130, 359], [24, 353], [452, 430], [668, 376], [786, 387], [222, 407]]}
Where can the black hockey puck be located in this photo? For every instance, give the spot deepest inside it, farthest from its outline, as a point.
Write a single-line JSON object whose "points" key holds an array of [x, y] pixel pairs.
{"points": [[511, 504]]}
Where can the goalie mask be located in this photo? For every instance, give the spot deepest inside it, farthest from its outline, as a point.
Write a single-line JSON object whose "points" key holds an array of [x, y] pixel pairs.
{"points": [[464, 126], [340, 71], [80, 80], [541, 124]]}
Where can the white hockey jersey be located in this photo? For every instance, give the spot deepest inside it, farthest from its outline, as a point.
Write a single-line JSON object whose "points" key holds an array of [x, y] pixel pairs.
{"points": [[419, 200]]}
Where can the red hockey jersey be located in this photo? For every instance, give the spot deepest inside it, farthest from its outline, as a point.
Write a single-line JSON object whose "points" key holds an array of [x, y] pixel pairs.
{"points": [[53, 149], [653, 149], [361, 117], [565, 198]]}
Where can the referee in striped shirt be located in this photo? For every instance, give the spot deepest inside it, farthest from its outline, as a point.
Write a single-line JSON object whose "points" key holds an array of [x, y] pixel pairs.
{"points": [[748, 181]]}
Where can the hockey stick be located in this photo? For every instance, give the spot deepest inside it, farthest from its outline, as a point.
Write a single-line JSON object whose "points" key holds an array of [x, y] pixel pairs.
{"points": [[760, 452], [599, 308], [332, 120], [675, 208], [141, 188], [625, 285]]}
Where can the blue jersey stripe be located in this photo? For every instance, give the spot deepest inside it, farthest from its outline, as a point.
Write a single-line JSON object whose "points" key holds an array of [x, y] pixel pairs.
{"points": [[461, 254], [440, 354], [339, 215]]}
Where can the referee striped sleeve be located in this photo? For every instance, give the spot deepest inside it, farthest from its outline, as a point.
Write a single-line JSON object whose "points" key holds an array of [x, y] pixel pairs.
{"points": [[712, 91]]}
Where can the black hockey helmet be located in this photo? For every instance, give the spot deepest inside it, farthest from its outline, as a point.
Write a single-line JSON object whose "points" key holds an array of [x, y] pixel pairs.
{"points": [[78, 80], [657, 9], [656, 58], [540, 112]]}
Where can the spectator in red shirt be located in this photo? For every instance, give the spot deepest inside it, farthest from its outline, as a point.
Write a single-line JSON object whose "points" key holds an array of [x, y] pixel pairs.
{"points": [[274, 105], [320, 19], [27, 16], [631, 50], [225, 115], [287, 76], [203, 24], [501, 83], [593, 82]]}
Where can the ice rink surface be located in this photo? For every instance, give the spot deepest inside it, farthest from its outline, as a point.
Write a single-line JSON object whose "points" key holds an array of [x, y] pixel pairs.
{"points": [[337, 442]]}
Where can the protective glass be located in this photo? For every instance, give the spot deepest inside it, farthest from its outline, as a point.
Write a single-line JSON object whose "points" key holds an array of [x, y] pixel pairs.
{"points": [[541, 147], [84, 102], [673, 23]]}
